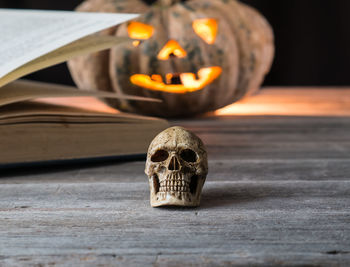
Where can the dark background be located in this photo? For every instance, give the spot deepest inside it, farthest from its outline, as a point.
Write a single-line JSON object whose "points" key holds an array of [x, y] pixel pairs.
{"points": [[312, 40]]}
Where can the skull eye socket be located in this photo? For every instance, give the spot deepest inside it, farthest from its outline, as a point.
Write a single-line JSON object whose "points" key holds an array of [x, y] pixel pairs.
{"points": [[206, 29], [188, 155], [159, 156]]}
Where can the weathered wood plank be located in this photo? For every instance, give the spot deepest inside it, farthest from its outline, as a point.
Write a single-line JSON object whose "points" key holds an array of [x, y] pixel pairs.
{"points": [[219, 170], [274, 137], [243, 221]]}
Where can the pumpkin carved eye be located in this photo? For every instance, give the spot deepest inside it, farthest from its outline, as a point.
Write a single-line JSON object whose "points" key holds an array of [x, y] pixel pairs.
{"points": [[139, 31], [206, 29]]}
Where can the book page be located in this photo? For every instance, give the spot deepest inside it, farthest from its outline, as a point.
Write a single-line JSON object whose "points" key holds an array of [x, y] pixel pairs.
{"points": [[86, 45], [28, 34], [19, 91]]}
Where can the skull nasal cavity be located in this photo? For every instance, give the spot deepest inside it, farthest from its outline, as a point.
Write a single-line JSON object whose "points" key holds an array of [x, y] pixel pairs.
{"points": [[174, 164]]}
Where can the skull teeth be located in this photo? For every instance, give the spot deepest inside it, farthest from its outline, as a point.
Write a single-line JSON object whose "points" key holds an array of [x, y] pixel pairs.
{"points": [[174, 189], [174, 186]]}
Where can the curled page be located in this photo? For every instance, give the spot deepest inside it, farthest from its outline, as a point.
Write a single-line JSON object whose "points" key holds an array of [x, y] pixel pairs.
{"points": [[89, 44], [26, 35]]}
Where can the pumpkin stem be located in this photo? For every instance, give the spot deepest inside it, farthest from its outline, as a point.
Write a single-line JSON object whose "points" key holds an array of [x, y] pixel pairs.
{"points": [[168, 2]]}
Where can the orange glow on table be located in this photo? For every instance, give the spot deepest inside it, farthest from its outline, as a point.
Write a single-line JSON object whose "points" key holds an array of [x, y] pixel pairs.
{"points": [[292, 101]]}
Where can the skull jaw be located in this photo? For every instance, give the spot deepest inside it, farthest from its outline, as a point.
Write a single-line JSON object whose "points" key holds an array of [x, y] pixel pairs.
{"points": [[181, 199], [172, 199]]}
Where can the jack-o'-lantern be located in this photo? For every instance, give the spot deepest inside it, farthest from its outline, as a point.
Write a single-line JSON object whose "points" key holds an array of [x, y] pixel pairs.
{"points": [[196, 56]]}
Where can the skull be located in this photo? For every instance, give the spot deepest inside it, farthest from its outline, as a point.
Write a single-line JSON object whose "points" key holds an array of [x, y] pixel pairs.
{"points": [[176, 166]]}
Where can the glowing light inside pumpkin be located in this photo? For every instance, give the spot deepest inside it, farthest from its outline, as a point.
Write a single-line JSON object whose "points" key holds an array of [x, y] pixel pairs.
{"points": [[171, 48], [157, 78], [141, 31], [189, 81], [136, 43], [168, 78], [206, 29]]}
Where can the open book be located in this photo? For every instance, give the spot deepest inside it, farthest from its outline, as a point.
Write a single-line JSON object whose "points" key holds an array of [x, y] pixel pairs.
{"points": [[34, 39], [47, 122]]}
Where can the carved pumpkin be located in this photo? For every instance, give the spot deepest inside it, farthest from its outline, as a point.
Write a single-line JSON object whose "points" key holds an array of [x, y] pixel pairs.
{"points": [[196, 56]]}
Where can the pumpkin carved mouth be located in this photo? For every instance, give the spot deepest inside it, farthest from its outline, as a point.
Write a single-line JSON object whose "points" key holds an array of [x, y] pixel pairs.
{"points": [[177, 83]]}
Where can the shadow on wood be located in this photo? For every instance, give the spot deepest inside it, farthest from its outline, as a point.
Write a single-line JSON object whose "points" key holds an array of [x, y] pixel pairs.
{"points": [[230, 195]]}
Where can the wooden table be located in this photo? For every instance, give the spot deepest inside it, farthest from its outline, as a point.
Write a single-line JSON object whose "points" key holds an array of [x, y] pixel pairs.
{"points": [[277, 193]]}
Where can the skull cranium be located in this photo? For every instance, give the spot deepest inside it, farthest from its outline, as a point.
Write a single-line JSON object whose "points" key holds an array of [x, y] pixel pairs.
{"points": [[177, 167]]}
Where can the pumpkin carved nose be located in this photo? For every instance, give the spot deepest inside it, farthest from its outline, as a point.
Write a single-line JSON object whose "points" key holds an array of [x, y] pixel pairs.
{"points": [[171, 49]]}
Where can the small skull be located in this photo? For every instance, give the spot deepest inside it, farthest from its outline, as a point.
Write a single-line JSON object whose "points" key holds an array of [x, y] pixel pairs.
{"points": [[177, 167]]}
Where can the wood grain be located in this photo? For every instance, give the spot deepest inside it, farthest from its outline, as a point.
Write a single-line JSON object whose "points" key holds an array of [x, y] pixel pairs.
{"points": [[277, 194]]}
